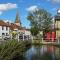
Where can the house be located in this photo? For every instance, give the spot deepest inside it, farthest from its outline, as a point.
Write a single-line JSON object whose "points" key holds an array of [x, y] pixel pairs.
{"points": [[15, 27], [19, 31], [26, 32], [4, 29], [14, 30], [57, 24]]}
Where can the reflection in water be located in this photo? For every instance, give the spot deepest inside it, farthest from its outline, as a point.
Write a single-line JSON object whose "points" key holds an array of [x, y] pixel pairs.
{"points": [[30, 53], [43, 52]]}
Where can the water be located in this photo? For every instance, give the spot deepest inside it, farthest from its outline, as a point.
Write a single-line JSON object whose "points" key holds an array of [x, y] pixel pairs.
{"points": [[43, 52]]}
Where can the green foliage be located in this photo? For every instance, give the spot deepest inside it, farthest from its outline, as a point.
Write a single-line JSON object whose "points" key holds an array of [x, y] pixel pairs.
{"points": [[40, 18], [11, 50], [34, 30]]}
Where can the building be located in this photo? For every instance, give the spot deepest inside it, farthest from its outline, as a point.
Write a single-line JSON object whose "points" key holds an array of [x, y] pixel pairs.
{"points": [[21, 32], [4, 29], [14, 30], [57, 24], [17, 20], [26, 33]]}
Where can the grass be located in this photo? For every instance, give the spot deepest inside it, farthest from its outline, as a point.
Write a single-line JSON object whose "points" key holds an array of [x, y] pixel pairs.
{"points": [[38, 42], [13, 50]]}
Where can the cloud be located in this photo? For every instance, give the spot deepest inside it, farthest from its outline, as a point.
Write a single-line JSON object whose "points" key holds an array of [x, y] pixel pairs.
{"points": [[8, 6], [53, 1], [10, 21], [56, 0], [32, 8]]}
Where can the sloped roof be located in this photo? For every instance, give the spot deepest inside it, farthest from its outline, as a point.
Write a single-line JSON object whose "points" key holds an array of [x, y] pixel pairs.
{"points": [[23, 28], [14, 26], [2, 23]]}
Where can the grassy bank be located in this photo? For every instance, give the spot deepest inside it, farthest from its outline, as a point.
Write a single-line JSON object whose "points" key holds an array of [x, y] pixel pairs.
{"points": [[13, 50], [39, 42], [36, 42]]}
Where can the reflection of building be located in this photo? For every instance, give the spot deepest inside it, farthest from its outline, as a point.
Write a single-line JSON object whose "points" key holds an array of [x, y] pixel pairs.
{"points": [[57, 52], [57, 24]]}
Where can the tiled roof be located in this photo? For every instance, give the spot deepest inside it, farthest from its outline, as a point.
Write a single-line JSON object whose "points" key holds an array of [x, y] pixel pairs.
{"points": [[14, 26], [2, 23], [23, 28]]}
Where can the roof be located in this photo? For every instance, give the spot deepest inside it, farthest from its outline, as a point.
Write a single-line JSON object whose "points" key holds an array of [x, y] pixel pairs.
{"points": [[2, 23], [17, 18], [14, 26], [23, 28], [57, 17]]}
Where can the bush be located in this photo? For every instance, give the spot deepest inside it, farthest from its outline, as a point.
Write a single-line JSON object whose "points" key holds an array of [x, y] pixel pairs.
{"points": [[12, 50]]}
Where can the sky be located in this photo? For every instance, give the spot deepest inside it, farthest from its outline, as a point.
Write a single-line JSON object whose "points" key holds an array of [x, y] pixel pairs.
{"points": [[8, 9]]}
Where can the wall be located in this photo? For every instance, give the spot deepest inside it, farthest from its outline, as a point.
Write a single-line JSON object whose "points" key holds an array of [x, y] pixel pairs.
{"points": [[3, 31], [57, 25], [27, 32]]}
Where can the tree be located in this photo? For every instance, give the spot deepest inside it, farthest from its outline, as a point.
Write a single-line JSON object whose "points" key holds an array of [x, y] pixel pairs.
{"points": [[34, 30], [14, 34], [41, 19]]}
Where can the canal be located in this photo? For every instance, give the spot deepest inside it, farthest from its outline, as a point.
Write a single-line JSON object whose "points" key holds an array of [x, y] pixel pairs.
{"points": [[43, 52]]}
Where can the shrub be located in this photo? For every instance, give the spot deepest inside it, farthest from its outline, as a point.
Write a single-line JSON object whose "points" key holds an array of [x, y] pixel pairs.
{"points": [[12, 50]]}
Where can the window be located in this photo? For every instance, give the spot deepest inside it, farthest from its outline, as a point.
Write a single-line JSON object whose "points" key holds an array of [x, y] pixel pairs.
{"points": [[3, 33], [6, 28], [2, 27]]}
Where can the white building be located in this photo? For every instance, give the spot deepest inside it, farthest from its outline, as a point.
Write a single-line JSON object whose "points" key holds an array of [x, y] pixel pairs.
{"points": [[4, 29], [14, 30]]}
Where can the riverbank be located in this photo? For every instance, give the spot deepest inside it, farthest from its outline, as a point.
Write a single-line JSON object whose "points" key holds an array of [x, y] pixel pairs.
{"points": [[39, 42], [13, 50]]}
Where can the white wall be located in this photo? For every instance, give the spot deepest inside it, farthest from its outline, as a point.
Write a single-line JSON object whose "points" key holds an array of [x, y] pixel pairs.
{"points": [[3, 31], [27, 32]]}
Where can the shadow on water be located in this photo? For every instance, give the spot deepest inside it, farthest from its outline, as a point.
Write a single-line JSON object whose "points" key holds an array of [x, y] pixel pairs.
{"points": [[43, 52]]}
